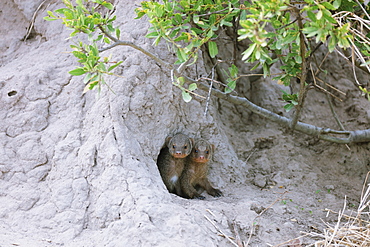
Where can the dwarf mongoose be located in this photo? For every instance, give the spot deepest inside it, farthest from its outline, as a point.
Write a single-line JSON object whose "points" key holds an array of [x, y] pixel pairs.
{"points": [[171, 160], [194, 177]]}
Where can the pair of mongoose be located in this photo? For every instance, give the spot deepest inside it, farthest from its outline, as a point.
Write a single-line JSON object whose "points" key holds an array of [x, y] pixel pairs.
{"points": [[183, 165]]}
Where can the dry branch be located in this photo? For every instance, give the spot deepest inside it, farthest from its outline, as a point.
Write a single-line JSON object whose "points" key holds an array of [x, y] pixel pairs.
{"points": [[343, 137]]}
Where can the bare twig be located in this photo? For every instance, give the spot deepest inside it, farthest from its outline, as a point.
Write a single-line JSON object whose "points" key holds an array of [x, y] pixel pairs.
{"points": [[290, 240], [237, 237], [209, 92], [220, 231], [330, 103], [29, 29], [359, 4], [365, 195]]}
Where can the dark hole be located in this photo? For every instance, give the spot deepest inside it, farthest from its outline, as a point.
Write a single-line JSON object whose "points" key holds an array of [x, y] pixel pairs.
{"points": [[12, 93]]}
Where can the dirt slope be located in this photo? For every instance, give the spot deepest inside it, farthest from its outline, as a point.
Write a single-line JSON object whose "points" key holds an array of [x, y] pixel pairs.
{"points": [[80, 170]]}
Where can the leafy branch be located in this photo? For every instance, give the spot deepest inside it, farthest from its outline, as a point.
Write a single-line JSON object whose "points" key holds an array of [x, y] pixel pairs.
{"points": [[189, 26]]}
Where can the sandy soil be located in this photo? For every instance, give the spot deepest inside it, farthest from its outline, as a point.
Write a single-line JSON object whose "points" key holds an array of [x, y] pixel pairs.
{"points": [[80, 170]]}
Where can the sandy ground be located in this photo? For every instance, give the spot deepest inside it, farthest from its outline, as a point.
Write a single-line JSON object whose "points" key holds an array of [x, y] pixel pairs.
{"points": [[80, 170]]}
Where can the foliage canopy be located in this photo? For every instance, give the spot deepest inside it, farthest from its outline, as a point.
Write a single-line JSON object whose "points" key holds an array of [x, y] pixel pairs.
{"points": [[283, 33]]}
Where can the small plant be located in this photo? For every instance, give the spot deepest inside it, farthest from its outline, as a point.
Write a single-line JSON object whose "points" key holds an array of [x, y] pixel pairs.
{"points": [[292, 100]]}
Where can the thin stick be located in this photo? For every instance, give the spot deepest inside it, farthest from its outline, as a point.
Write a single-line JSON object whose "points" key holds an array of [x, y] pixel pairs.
{"points": [[29, 30], [327, 92], [340, 214], [347, 216], [365, 195], [332, 87], [359, 4], [218, 229], [290, 240], [250, 155], [238, 240], [330, 103], [209, 92]]}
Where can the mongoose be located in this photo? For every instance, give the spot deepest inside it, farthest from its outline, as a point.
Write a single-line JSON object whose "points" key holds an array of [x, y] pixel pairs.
{"points": [[194, 177], [171, 160]]}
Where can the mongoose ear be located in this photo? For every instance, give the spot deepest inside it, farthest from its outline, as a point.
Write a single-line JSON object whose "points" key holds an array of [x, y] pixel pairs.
{"points": [[192, 142], [168, 139], [213, 148]]}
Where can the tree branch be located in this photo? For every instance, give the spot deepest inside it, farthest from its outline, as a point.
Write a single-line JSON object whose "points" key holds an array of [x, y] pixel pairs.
{"points": [[302, 89], [326, 134], [118, 42]]}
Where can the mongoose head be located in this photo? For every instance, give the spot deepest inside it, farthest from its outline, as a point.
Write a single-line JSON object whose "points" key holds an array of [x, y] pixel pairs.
{"points": [[179, 145], [202, 151]]}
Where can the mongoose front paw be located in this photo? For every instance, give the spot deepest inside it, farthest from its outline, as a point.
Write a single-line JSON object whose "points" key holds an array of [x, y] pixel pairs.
{"points": [[200, 197], [217, 193]]}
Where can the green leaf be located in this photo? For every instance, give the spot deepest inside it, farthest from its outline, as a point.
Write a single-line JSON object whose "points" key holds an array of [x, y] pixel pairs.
{"points": [[61, 11], [186, 96], [47, 18], [298, 59], [310, 31], [139, 14], [106, 40], [210, 34], [266, 70], [212, 48], [51, 14], [230, 85], [249, 51], [328, 6], [118, 33], [258, 53], [181, 55], [192, 87], [233, 71], [180, 81], [159, 11], [336, 3], [78, 71], [88, 77], [288, 107], [328, 16], [110, 28], [107, 5], [319, 15], [311, 15], [152, 35], [332, 43], [68, 14], [289, 38], [90, 86], [114, 66], [226, 23]]}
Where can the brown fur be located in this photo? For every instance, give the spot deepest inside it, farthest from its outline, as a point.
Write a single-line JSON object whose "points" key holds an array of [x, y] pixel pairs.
{"points": [[171, 161], [194, 177]]}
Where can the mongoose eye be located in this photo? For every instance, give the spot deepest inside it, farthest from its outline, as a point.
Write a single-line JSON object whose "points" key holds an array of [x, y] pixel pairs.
{"points": [[207, 152], [185, 147], [173, 146], [196, 151]]}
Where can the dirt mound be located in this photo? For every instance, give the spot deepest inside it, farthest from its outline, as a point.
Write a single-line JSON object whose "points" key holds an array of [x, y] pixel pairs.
{"points": [[80, 170]]}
